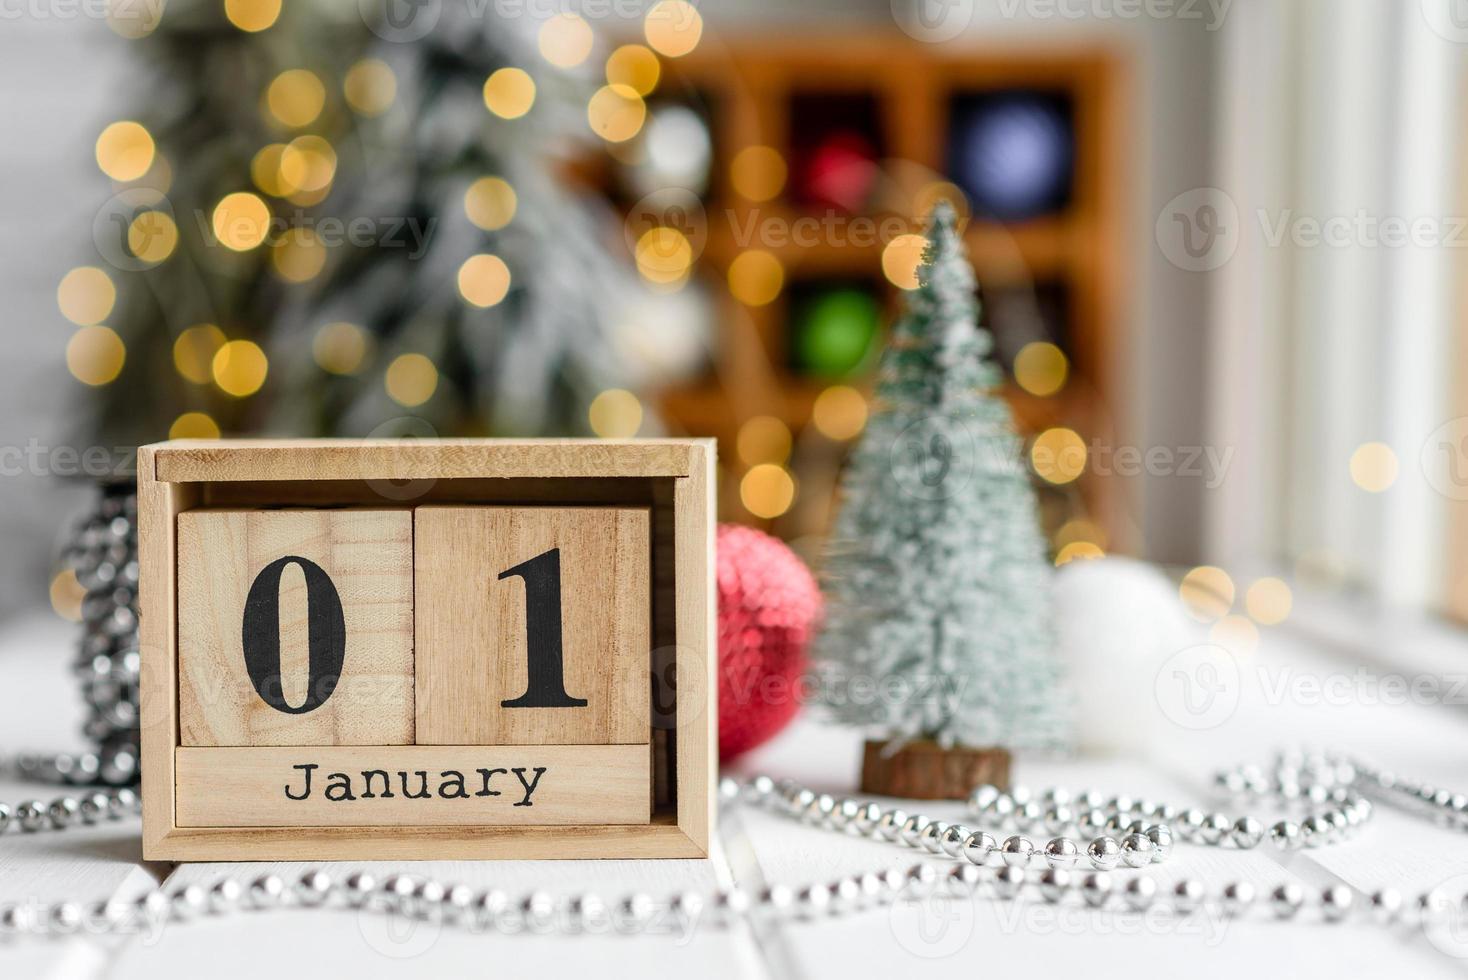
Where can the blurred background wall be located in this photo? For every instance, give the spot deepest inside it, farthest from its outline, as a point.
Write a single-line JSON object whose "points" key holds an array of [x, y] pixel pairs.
{"points": [[1282, 357]]}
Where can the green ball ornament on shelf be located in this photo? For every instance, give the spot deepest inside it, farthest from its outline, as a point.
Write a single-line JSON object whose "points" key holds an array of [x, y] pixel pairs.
{"points": [[835, 331]]}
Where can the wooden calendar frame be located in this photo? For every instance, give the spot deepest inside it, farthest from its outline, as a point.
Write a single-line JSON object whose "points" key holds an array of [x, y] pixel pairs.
{"points": [[675, 478]]}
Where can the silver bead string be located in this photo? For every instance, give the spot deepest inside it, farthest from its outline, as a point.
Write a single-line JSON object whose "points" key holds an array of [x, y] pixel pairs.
{"points": [[979, 870]]}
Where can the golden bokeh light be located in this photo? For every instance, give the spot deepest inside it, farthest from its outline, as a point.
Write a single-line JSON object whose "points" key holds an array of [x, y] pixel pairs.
{"points": [[298, 255], [763, 439], [616, 113], [839, 413], [296, 97], [1374, 467], [758, 172], [673, 27], [1268, 601], [307, 164], [370, 87], [152, 236], [756, 277], [265, 170], [194, 350], [490, 203], [340, 348], [240, 367], [193, 425], [134, 20], [95, 355], [67, 594], [634, 66], [1079, 529], [565, 40], [252, 16], [1041, 368], [901, 258], [125, 150], [615, 414], [86, 295], [509, 93], [767, 490], [1207, 593], [1236, 633], [1078, 550], [664, 256], [411, 380], [241, 221], [1058, 455], [484, 279]]}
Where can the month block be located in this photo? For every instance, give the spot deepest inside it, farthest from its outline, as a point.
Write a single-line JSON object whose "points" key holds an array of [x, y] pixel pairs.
{"points": [[295, 627], [533, 625]]}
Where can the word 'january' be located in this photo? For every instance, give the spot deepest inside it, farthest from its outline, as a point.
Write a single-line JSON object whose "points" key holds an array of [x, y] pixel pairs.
{"points": [[378, 784]]}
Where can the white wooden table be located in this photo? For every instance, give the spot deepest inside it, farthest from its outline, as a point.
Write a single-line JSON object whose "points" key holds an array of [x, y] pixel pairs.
{"points": [[39, 711]]}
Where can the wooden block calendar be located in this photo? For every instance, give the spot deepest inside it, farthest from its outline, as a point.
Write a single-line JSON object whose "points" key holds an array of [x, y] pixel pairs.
{"points": [[426, 649]]}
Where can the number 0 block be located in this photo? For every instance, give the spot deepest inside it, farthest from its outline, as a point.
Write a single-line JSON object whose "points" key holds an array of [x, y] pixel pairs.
{"points": [[295, 627], [533, 625]]}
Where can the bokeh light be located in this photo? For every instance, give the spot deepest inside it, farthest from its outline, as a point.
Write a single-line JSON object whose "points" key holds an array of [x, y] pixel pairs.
{"points": [[616, 113], [296, 97], [509, 93], [1058, 455], [307, 164], [1040, 368], [1268, 601], [763, 439], [240, 367], [756, 277], [1078, 550], [484, 279], [241, 221], [67, 594], [252, 15], [634, 66], [125, 150], [758, 173], [298, 255], [615, 414], [1207, 593], [411, 380], [565, 40], [340, 348], [767, 490], [839, 413], [490, 203], [370, 87], [193, 425], [152, 236], [673, 27], [1235, 633], [901, 258], [95, 355], [86, 295], [664, 256], [1374, 467], [194, 350]]}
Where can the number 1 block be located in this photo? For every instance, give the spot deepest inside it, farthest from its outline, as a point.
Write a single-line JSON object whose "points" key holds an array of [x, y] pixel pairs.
{"points": [[532, 625], [295, 627]]}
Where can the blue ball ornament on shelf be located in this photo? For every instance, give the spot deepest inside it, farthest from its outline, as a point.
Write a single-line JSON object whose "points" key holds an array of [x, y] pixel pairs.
{"points": [[1013, 153]]}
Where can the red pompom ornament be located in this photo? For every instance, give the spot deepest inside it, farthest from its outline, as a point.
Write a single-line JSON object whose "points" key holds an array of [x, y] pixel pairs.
{"points": [[768, 609]]}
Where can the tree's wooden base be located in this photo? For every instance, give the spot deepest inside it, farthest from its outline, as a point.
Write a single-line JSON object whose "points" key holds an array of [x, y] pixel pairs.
{"points": [[927, 771]]}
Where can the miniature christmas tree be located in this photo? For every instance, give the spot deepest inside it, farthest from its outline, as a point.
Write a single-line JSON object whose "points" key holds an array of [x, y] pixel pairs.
{"points": [[937, 634]]}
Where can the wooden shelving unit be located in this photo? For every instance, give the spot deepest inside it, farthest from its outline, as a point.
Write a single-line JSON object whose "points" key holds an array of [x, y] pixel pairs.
{"points": [[746, 87]]}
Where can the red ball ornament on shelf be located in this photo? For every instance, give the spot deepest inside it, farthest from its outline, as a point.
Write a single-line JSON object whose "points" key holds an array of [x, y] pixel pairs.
{"points": [[768, 608]]}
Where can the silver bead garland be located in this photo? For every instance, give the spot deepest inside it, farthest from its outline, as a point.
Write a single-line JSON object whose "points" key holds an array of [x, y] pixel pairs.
{"points": [[980, 868]]}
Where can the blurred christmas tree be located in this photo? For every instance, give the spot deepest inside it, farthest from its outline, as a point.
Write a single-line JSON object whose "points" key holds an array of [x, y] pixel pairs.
{"points": [[937, 584], [329, 218]]}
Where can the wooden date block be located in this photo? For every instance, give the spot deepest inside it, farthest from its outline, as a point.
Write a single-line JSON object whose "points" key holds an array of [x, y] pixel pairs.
{"points": [[295, 627], [532, 625]]}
